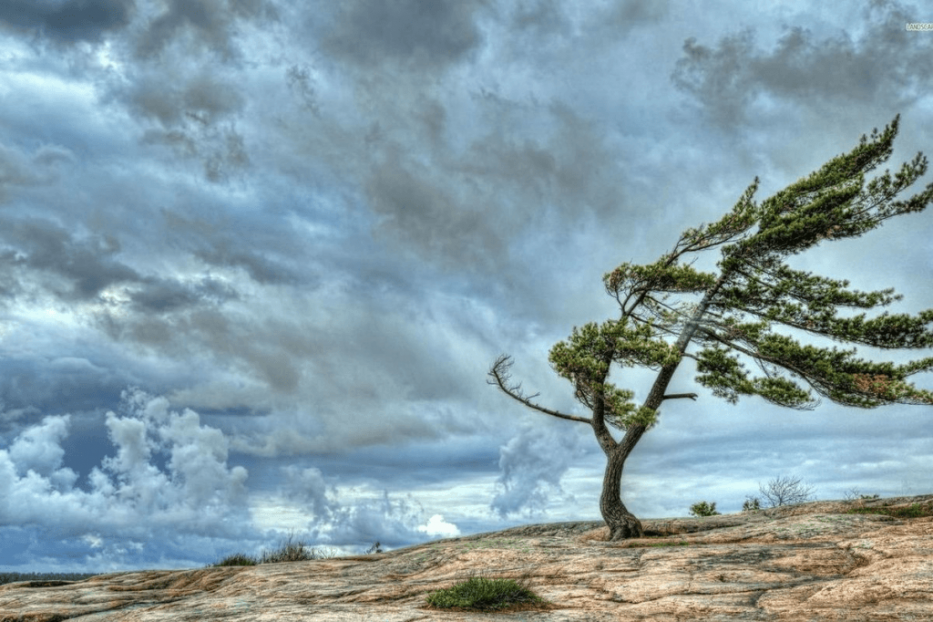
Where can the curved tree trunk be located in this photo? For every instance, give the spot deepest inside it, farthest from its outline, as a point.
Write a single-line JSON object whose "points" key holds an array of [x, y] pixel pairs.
{"points": [[622, 523]]}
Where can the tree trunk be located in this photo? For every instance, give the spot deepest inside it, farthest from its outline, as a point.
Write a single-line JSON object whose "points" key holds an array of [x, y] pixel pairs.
{"points": [[622, 523]]}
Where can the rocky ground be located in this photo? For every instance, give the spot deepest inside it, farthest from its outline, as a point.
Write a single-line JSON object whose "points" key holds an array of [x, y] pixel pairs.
{"points": [[808, 562]]}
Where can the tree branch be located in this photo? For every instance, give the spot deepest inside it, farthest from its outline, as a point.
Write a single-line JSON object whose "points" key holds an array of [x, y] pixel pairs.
{"points": [[500, 377], [677, 396]]}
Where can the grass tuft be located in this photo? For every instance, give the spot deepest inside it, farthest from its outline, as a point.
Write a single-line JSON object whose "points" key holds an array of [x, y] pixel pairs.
{"points": [[484, 594], [289, 552]]}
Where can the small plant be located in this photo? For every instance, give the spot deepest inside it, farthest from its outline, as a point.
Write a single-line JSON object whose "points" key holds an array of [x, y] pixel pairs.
{"points": [[703, 509], [853, 494], [237, 559], [289, 552], [482, 594], [751, 504], [374, 548]]}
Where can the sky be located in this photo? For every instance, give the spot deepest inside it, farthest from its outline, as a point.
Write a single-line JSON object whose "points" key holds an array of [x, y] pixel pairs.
{"points": [[257, 258]]}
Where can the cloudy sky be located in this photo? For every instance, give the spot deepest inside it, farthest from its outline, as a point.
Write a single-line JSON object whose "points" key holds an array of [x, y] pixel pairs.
{"points": [[257, 256]]}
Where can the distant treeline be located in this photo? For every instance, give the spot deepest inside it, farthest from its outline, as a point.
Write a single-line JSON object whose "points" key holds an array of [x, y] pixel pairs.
{"points": [[15, 577]]}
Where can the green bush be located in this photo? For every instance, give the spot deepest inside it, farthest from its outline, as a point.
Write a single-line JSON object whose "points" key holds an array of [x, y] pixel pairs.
{"points": [[237, 560], [703, 509], [751, 505], [914, 511]]}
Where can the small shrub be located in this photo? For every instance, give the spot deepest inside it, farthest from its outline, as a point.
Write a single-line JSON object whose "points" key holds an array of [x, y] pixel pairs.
{"points": [[481, 594], [751, 504], [289, 552], [703, 509], [374, 548], [853, 494], [237, 560], [914, 511]]}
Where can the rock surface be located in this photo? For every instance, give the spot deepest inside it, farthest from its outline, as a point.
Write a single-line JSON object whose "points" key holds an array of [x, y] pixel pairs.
{"points": [[806, 562]]}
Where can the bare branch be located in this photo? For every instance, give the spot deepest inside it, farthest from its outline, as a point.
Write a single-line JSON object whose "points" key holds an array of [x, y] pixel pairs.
{"points": [[677, 396], [500, 378], [786, 491]]}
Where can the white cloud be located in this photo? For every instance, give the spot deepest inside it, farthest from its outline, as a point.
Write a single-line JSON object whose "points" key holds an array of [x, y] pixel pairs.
{"points": [[437, 526], [128, 488], [39, 448]]}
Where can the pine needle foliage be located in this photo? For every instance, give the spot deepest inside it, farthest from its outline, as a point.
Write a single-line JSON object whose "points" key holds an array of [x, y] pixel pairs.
{"points": [[755, 292], [739, 315]]}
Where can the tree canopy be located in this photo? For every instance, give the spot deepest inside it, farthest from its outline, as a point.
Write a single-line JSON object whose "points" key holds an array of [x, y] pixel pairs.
{"points": [[740, 313]]}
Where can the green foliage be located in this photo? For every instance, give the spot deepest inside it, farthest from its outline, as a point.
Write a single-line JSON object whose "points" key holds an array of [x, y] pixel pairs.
{"points": [[752, 504], [703, 508], [742, 313], [288, 552], [482, 594], [661, 276], [585, 359], [915, 510], [237, 559], [756, 292]]}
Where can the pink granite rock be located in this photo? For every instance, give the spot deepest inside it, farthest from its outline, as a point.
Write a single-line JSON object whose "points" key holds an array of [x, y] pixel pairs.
{"points": [[807, 562]]}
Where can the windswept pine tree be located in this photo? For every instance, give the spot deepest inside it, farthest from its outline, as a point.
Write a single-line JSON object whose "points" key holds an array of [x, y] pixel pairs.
{"points": [[671, 312]]}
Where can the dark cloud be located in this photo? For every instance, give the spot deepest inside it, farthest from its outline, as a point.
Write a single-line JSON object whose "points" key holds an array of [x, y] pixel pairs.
{"points": [[322, 228], [416, 33], [68, 21], [209, 25], [80, 269], [18, 168], [430, 219], [196, 117], [204, 98], [300, 82], [466, 211], [58, 384], [155, 295], [270, 259], [886, 66], [627, 14], [544, 16]]}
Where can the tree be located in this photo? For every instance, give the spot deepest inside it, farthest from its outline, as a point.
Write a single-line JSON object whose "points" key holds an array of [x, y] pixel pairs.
{"points": [[785, 491], [670, 311], [702, 508]]}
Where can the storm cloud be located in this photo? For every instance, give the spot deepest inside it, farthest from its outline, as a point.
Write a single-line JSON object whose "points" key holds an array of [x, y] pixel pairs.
{"points": [[256, 259]]}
